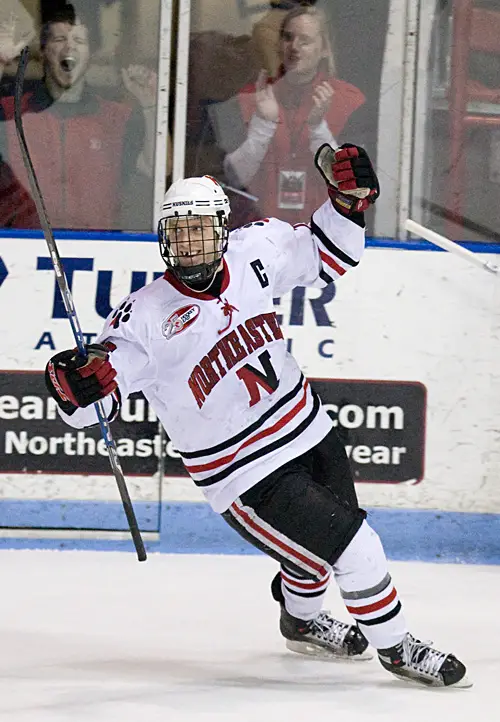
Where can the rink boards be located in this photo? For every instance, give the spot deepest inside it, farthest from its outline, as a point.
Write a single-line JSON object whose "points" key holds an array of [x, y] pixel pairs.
{"points": [[403, 350]]}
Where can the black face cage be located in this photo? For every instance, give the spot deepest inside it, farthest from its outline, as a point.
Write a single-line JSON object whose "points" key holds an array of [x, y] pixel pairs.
{"points": [[204, 271]]}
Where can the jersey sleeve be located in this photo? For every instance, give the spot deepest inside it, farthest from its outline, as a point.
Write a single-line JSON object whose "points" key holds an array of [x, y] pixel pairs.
{"points": [[130, 357], [315, 254]]}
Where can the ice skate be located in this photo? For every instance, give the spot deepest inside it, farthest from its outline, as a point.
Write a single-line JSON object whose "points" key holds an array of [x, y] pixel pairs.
{"points": [[323, 637], [416, 661]]}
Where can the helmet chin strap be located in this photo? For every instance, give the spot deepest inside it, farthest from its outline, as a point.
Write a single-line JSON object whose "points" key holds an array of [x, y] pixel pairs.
{"points": [[202, 290]]}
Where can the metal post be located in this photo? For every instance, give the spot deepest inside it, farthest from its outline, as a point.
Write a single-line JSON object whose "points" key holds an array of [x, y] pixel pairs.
{"points": [[162, 136], [408, 114], [181, 89]]}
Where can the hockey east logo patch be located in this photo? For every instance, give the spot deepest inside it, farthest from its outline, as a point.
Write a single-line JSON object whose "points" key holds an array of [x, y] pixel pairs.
{"points": [[180, 320]]}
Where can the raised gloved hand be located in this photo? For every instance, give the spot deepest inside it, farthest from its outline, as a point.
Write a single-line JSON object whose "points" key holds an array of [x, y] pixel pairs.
{"points": [[73, 380], [352, 182]]}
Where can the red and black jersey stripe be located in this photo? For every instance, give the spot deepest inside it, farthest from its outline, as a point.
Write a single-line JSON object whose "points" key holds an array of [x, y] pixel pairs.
{"points": [[240, 436], [331, 247], [231, 461]]}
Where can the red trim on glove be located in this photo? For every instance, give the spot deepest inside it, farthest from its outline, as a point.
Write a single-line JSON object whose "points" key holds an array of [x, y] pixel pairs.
{"points": [[62, 384]]}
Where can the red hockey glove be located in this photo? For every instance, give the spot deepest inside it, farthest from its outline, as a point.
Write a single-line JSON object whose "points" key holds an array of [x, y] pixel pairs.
{"points": [[352, 183], [75, 381]]}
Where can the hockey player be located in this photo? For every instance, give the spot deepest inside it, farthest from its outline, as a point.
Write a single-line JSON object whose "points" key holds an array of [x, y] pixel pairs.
{"points": [[204, 346]]}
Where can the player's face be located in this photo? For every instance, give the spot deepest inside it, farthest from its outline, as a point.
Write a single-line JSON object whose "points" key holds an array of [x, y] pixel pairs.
{"points": [[302, 46], [66, 53], [192, 240]]}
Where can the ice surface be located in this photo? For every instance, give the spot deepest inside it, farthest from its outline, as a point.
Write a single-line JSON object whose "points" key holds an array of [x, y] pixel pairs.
{"points": [[98, 636]]}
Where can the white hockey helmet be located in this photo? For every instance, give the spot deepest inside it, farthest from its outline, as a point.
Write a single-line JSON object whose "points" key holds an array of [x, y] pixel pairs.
{"points": [[192, 198]]}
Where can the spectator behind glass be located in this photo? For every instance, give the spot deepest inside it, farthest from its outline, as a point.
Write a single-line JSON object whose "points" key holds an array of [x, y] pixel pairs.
{"points": [[83, 146], [288, 119], [266, 33], [17, 208]]}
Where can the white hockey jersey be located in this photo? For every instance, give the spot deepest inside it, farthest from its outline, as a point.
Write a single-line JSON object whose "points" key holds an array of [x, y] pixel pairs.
{"points": [[216, 370]]}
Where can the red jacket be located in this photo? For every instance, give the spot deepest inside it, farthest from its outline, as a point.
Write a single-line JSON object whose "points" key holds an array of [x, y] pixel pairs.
{"points": [[77, 158], [289, 148], [17, 209]]}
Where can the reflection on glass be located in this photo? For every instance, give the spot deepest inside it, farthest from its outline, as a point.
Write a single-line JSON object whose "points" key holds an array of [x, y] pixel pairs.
{"points": [[92, 146], [271, 82]]}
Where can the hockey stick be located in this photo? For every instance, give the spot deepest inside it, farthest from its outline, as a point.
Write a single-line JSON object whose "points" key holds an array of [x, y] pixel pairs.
{"points": [[450, 246], [239, 192], [70, 308]]}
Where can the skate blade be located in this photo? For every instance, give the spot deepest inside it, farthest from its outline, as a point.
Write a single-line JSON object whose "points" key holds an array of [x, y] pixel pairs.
{"points": [[312, 650], [464, 683]]}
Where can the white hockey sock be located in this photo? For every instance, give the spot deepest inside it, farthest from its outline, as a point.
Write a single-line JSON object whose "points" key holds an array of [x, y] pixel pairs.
{"points": [[367, 590], [303, 597]]}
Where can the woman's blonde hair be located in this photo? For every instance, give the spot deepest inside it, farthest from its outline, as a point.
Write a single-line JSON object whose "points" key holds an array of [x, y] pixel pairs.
{"points": [[328, 62]]}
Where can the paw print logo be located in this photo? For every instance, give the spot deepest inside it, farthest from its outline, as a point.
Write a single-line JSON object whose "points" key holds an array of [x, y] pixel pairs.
{"points": [[122, 314]]}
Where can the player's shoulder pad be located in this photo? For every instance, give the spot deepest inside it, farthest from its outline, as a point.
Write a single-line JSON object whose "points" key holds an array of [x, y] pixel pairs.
{"points": [[266, 230], [134, 310], [122, 313], [254, 227]]}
